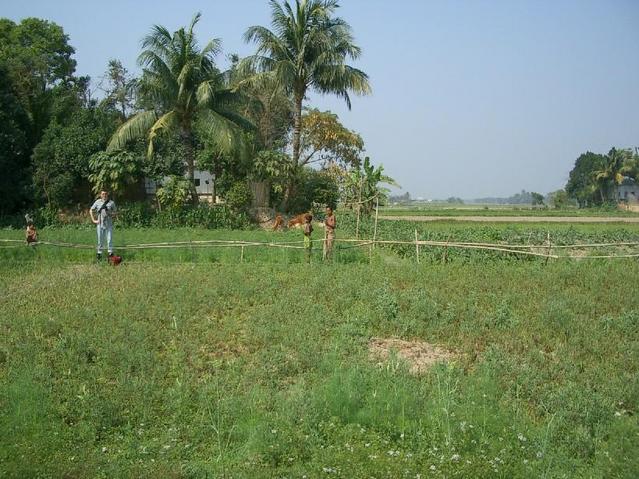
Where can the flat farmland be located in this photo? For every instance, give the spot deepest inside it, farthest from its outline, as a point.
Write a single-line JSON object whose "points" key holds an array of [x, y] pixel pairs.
{"points": [[173, 365]]}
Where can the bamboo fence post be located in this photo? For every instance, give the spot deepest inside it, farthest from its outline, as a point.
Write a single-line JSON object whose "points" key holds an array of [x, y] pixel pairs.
{"points": [[359, 208], [416, 246], [376, 216], [549, 247], [445, 256], [242, 254], [324, 242]]}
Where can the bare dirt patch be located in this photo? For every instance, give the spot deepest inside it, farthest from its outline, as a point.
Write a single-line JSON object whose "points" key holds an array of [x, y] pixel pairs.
{"points": [[420, 355]]}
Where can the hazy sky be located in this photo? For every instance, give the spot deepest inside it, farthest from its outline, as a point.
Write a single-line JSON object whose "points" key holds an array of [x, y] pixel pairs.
{"points": [[470, 98]]}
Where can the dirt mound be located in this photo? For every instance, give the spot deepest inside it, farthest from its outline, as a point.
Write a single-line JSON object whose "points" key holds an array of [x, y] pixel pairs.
{"points": [[420, 355]]}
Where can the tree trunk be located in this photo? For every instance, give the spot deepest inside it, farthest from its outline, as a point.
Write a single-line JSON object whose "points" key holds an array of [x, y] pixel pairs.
{"points": [[260, 191], [297, 128], [297, 134], [189, 158]]}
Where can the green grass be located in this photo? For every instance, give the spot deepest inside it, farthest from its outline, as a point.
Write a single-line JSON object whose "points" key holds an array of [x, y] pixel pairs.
{"points": [[523, 233], [261, 369], [189, 253]]}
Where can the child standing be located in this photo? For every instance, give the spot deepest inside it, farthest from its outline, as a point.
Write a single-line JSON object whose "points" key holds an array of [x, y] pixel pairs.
{"points": [[308, 240], [31, 233]]}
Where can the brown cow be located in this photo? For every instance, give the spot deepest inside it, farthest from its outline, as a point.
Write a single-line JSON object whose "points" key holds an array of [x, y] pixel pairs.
{"points": [[298, 220], [279, 223]]}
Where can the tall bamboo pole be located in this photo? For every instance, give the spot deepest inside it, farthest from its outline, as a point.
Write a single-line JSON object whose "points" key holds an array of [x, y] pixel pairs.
{"points": [[376, 216], [359, 208]]}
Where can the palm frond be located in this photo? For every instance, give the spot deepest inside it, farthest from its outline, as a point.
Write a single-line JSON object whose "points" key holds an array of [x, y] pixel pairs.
{"points": [[220, 131], [135, 127], [166, 122], [212, 49]]}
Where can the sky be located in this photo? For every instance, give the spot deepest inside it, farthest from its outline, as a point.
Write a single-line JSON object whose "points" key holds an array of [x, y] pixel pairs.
{"points": [[470, 98]]}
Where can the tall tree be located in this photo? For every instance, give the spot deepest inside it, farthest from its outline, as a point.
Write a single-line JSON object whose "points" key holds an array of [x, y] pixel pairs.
{"points": [[325, 140], [307, 49], [14, 150], [265, 103], [181, 84], [61, 159], [38, 58], [581, 181], [119, 87], [612, 172]]}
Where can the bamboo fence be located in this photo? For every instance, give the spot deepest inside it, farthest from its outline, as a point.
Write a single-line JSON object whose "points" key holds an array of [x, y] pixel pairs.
{"points": [[538, 250]]}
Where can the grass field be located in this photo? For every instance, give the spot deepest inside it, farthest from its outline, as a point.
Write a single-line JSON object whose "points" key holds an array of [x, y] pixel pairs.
{"points": [[512, 233], [216, 368]]}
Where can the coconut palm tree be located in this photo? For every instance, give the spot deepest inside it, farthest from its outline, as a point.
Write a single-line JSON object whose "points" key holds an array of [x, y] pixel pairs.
{"points": [[307, 49], [181, 85], [617, 165]]}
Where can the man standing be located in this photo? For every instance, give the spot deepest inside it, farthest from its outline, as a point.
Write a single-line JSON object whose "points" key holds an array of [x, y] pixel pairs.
{"points": [[106, 211], [329, 233]]}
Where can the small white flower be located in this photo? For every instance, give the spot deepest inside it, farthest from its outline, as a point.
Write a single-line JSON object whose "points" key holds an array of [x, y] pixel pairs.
{"points": [[539, 454], [521, 437], [104, 449], [432, 467], [368, 444], [273, 431], [525, 461], [455, 457], [617, 413]]}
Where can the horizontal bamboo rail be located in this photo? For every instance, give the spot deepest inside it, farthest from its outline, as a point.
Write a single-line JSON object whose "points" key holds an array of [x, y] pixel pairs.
{"points": [[519, 249]]}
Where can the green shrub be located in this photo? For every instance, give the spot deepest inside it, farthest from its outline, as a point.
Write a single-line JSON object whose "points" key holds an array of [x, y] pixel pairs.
{"points": [[239, 197], [201, 216], [174, 193]]}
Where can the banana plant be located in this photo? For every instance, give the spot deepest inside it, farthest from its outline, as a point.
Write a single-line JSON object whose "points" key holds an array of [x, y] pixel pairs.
{"points": [[363, 186]]}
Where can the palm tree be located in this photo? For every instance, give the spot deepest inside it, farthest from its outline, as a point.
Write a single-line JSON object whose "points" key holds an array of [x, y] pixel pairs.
{"points": [[180, 85], [307, 50], [617, 165]]}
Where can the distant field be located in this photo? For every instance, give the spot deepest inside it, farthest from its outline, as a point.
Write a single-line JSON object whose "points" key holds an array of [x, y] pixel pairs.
{"points": [[501, 210]]}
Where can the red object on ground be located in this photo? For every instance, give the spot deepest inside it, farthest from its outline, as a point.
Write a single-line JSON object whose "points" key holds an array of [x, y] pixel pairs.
{"points": [[115, 260]]}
